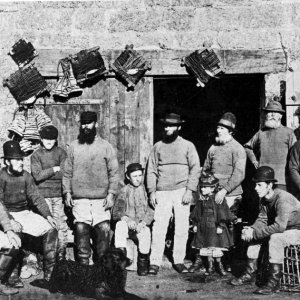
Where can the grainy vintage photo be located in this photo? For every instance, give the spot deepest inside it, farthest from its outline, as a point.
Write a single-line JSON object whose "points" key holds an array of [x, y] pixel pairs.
{"points": [[149, 149]]}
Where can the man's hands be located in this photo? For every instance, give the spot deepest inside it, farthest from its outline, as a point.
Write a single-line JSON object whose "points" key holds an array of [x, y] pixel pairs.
{"points": [[68, 200], [247, 234], [153, 200], [220, 195], [56, 169], [108, 201], [140, 226], [17, 227], [52, 222], [14, 239], [256, 164], [187, 197]]}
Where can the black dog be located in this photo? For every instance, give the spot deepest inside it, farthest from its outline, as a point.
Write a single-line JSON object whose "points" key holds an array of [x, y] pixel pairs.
{"points": [[103, 280]]}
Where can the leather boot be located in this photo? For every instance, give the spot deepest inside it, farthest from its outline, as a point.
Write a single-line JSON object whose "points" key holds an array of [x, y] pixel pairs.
{"points": [[7, 261], [197, 266], [210, 265], [249, 275], [219, 267], [273, 283], [143, 264], [14, 280], [82, 236], [50, 240], [102, 235]]}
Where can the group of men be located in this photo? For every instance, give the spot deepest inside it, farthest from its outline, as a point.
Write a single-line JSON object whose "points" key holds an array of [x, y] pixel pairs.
{"points": [[90, 179]]}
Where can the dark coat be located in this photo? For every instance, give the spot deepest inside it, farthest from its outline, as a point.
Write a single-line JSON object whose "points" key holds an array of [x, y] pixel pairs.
{"points": [[207, 216]]}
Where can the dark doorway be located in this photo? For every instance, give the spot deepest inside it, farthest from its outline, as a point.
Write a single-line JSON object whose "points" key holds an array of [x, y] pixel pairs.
{"points": [[203, 107]]}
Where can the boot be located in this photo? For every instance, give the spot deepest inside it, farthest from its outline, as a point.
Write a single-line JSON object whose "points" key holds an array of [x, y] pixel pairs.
{"points": [[143, 264], [219, 267], [197, 266], [6, 265], [14, 280], [102, 234], [210, 265], [82, 235], [273, 284], [249, 275], [50, 240]]}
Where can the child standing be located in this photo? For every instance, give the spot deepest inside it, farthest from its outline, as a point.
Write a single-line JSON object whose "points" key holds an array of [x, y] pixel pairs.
{"points": [[46, 164], [133, 215], [210, 221]]}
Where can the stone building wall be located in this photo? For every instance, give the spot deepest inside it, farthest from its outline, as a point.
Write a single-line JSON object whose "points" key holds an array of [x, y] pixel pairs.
{"points": [[148, 24]]}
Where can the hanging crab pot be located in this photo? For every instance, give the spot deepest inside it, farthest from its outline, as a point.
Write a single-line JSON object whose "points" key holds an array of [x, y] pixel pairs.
{"points": [[130, 66], [203, 65]]}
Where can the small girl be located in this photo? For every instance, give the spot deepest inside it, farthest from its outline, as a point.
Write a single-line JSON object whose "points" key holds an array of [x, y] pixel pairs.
{"points": [[210, 220]]}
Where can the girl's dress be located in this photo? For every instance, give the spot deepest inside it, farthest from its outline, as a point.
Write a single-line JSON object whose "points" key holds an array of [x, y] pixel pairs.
{"points": [[207, 216]]}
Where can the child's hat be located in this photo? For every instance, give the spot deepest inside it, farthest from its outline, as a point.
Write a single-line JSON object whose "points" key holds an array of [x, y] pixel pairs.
{"points": [[208, 179], [134, 167], [49, 132]]}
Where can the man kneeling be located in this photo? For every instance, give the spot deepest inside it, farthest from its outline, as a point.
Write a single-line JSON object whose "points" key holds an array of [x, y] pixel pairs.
{"points": [[278, 220]]}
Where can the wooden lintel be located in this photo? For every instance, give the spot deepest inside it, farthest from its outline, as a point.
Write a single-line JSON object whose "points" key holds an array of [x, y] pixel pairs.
{"points": [[167, 62]]}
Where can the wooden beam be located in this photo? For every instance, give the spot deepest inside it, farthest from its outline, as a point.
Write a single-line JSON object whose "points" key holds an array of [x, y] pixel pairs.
{"points": [[167, 62]]}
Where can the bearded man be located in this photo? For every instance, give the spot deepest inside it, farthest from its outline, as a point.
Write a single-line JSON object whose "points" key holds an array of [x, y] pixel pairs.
{"points": [[271, 145], [173, 172], [226, 159], [90, 181]]}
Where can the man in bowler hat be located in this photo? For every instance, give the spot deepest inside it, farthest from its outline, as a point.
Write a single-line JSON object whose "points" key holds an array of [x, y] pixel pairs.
{"points": [[173, 172], [90, 183], [18, 193], [279, 221], [271, 144]]}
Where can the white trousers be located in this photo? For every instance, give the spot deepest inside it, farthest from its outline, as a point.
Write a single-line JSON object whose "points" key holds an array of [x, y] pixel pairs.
{"points": [[277, 243], [166, 202], [122, 234]]}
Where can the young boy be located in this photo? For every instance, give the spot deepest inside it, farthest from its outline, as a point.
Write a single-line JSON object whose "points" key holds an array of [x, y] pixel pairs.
{"points": [[46, 170], [133, 215]]}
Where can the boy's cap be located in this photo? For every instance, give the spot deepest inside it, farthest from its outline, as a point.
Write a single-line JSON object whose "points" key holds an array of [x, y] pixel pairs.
{"points": [[134, 167], [208, 179], [12, 150], [49, 132], [88, 117]]}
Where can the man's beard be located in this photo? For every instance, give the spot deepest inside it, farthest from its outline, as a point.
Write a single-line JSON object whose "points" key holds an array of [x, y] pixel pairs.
{"points": [[86, 135], [170, 138], [14, 172], [222, 140], [272, 123]]}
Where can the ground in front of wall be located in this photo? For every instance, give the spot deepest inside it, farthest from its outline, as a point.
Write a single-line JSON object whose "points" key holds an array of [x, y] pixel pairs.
{"points": [[169, 285]]}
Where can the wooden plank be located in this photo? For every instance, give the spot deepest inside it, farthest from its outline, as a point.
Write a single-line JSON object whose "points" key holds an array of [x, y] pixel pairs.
{"points": [[132, 124], [167, 62], [146, 120], [116, 120]]}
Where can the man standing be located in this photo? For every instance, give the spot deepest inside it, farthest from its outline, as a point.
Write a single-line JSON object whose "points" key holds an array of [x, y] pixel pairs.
{"points": [[226, 159], [90, 181], [173, 172], [18, 193], [272, 144], [278, 220]]}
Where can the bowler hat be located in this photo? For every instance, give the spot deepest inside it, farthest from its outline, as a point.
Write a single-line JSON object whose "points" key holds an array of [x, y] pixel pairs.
{"points": [[134, 167], [88, 117], [264, 174], [49, 132], [12, 150], [228, 120], [172, 119], [274, 106], [208, 179]]}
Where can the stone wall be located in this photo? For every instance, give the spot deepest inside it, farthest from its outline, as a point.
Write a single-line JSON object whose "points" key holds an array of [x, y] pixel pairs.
{"points": [[148, 24]]}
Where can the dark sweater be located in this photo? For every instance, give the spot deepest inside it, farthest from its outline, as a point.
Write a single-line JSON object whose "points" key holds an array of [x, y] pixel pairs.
{"points": [[17, 193], [42, 163], [90, 171], [277, 214]]}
